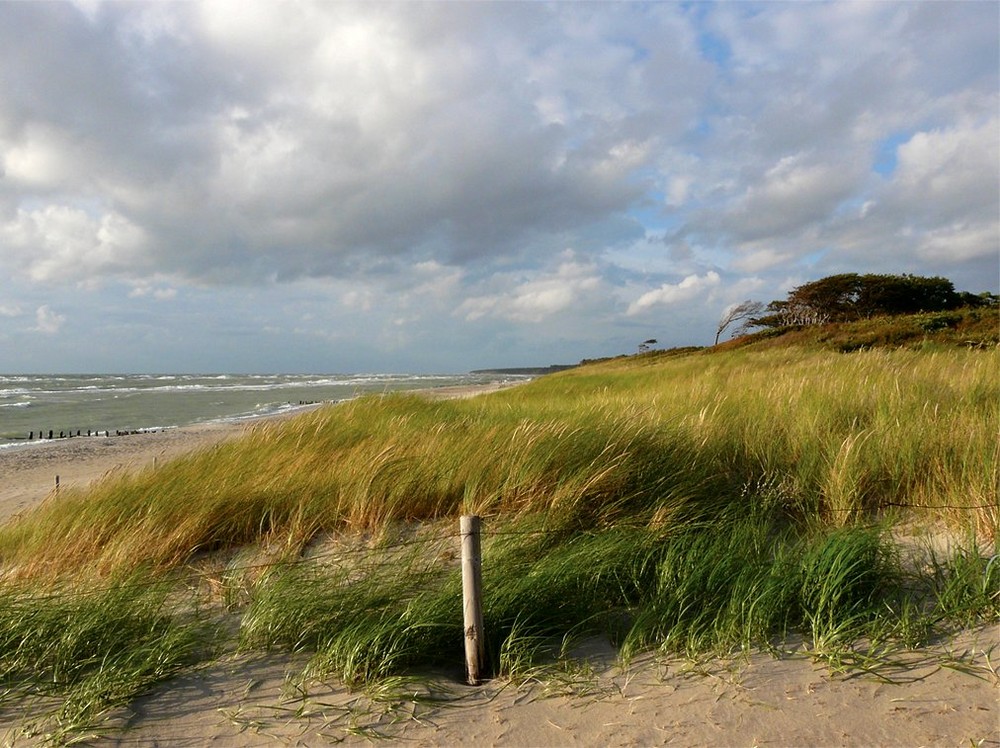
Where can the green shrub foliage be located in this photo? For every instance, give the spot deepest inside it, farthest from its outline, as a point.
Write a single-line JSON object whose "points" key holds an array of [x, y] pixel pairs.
{"points": [[849, 297]]}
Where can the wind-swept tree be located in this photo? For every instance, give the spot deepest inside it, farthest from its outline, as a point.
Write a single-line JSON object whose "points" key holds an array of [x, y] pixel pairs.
{"points": [[743, 312]]}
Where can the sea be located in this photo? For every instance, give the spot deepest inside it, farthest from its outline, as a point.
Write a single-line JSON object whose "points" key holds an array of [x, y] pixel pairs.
{"points": [[33, 405]]}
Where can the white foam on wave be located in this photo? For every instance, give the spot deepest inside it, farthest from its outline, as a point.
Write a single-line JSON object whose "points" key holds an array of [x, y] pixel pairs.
{"points": [[25, 443], [265, 410]]}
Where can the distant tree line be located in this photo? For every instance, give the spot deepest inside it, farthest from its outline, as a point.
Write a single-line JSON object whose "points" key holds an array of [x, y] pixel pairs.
{"points": [[849, 296]]}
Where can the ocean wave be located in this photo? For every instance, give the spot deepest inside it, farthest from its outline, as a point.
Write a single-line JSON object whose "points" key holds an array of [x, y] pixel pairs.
{"points": [[263, 410], [24, 443], [214, 385], [59, 385]]}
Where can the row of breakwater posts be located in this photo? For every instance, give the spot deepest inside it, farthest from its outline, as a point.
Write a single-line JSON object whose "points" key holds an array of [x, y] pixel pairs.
{"points": [[51, 433], [73, 433]]}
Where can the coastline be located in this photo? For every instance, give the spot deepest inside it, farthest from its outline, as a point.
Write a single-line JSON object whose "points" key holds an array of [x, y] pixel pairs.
{"points": [[28, 472]]}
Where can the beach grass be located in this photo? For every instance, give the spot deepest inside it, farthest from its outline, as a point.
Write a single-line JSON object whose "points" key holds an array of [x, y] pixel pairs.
{"points": [[80, 653], [706, 502], [738, 584], [381, 613], [840, 438]]}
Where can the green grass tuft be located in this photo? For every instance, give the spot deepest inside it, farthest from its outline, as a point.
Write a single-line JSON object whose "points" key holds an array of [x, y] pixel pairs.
{"points": [[84, 653]]}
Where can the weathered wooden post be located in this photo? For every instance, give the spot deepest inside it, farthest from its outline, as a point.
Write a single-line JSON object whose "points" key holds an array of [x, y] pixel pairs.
{"points": [[472, 604]]}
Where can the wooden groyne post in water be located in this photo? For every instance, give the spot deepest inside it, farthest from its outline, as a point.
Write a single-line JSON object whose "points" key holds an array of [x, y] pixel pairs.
{"points": [[472, 603], [90, 432]]}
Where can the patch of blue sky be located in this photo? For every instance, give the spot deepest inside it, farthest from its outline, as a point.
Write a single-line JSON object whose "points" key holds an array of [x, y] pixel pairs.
{"points": [[651, 213], [852, 207], [886, 152], [713, 47], [702, 127]]}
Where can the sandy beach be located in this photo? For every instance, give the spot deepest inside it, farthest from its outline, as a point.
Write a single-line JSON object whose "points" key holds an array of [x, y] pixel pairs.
{"points": [[945, 695], [761, 701]]}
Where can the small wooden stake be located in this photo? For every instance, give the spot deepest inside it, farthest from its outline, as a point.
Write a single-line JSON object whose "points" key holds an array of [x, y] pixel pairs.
{"points": [[472, 604]]}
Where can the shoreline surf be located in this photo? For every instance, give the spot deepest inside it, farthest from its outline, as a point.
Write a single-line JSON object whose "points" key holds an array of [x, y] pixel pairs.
{"points": [[34, 406]]}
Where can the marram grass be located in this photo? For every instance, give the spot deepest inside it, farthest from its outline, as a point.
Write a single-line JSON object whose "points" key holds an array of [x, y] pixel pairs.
{"points": [[840, 437], [82, 653], [368, 614], [744, 582]]}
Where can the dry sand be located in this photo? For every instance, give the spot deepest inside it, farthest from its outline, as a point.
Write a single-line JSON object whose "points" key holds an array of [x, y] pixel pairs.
{"points": [[763, 700], [760, 701]]}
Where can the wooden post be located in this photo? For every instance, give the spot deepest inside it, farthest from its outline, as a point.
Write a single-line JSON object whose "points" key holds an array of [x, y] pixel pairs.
{"points": [[472, 604]]}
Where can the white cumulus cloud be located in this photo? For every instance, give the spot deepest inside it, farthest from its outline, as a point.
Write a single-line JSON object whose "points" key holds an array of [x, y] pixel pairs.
{"points": [[405, 177], [538, 297], [47, 321], [692, 287], [60, 242]]}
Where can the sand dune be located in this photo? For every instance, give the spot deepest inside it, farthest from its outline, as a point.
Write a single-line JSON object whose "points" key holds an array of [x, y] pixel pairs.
{"points": [[944, 695]]}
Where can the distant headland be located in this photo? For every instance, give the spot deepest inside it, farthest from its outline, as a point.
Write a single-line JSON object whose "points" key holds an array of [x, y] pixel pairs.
{"points": [[527, 370]]}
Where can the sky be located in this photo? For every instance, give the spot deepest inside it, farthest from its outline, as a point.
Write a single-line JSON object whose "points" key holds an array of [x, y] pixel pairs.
{"points": [[226, 186]]}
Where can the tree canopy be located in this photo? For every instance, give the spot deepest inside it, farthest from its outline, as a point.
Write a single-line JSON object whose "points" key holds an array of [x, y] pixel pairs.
{"points": [[849, 296]]}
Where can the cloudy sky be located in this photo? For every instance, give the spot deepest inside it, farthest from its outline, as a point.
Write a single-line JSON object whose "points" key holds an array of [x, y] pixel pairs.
{"points": [[341, 187]]}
